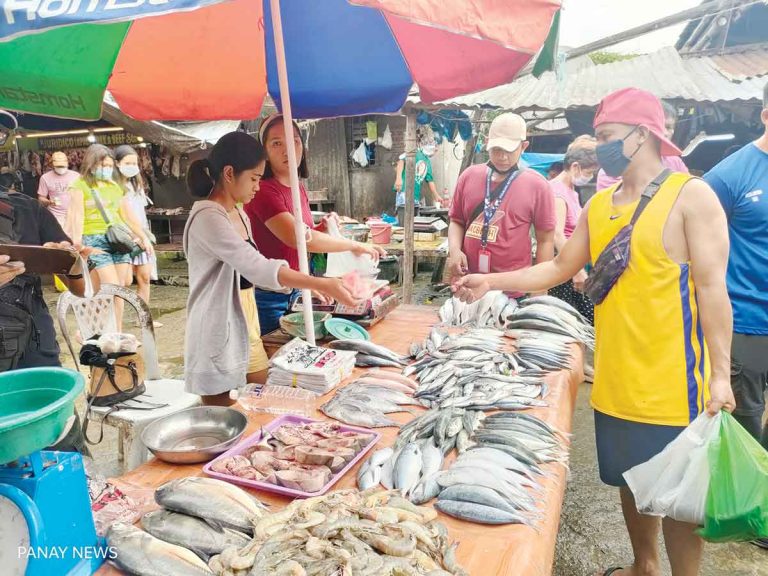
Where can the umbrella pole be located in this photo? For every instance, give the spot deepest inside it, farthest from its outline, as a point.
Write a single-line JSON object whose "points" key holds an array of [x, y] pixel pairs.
{"points": [[410, 181], [293, 165]]}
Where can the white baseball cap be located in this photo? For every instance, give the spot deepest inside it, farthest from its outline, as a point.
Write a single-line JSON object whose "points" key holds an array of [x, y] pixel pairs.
{"points": [[507, 132]]}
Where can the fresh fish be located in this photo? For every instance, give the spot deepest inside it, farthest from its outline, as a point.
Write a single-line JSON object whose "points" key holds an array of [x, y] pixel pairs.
{"points": [[365, 360], [388, 470], [478, 513], [202, 537], [141, 554], [376, 382], [379, 457], [476, 494], [211, 499], [367, 476], [425, 490], [407, 469], [431, 458], [366, 348], [387, 375], [355, 413]]}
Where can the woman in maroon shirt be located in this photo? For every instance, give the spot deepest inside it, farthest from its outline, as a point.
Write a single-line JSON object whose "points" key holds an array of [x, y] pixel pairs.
{"points": [[273, 224]]}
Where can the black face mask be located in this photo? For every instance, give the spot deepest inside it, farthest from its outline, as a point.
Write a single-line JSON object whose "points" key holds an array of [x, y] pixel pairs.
{"points": [[502, 172]]}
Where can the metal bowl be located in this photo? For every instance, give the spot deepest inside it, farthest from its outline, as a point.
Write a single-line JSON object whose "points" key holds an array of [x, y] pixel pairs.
{"points": [[194, 435]]}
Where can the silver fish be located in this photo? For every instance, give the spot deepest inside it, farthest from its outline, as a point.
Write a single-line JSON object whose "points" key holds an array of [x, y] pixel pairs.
{"points": [[476, 494], [431, 458], [478, 513], [407, 469], [355, 413], [366, 348], [204, 538], [142, 554], [379, 457], [211, 499]]}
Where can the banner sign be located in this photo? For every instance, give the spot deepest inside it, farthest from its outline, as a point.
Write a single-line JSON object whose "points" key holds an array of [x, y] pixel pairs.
{"points": [[109, 139], [23, 17]]}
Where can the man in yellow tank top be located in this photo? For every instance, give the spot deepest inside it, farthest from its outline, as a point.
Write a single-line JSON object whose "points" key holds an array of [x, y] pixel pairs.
{"points": [[662, 353]]}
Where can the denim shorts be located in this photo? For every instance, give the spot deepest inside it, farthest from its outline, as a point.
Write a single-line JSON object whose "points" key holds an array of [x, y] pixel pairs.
{"points": [[271, 307], [109, 257]]}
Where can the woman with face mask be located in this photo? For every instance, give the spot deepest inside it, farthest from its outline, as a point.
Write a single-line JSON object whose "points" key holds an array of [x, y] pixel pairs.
{"points": [[579, 167], [223, 347], [129, 177], [273, 225], [86, 224]]}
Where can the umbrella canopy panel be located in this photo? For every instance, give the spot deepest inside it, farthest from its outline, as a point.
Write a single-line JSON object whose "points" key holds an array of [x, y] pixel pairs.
{"points": [[218, 61]]}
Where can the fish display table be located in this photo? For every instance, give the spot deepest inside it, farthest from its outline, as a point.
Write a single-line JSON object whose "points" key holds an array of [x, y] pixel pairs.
{"points": [[484, 550]]}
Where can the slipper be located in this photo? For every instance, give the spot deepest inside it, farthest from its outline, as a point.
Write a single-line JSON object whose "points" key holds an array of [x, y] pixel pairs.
{"points": [[761, 543], [612, 570]]}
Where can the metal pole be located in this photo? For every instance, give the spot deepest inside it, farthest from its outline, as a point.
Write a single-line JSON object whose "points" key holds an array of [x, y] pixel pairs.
{"points": [[410, 180], [293, 165]]}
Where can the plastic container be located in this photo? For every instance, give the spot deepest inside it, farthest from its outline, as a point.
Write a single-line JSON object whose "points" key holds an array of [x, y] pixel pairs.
{"points": [[267, 399], [293, 324], [35, 405], [381, 232], [266, 486]]}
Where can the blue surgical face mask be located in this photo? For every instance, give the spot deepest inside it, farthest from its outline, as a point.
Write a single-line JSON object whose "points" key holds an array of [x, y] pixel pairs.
{"points": [[103, 173], [611, 157]]}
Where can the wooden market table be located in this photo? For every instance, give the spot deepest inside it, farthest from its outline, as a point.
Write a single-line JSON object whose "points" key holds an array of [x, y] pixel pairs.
{"points": [[511, 550]]}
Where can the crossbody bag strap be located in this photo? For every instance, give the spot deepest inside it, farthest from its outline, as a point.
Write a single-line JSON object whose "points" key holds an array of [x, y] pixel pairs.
{"points": [[649, 193], [100, 207]]}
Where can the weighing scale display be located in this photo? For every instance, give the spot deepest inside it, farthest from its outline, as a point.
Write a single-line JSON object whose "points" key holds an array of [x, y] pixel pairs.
{"points": [[14, 534]]}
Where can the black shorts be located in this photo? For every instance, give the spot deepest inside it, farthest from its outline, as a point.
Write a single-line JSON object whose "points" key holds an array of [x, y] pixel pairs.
{"points": [[623, 444], [749, 379]]}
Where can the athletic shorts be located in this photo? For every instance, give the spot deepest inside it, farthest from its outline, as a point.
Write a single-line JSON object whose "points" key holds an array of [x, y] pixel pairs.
{"points": [[257, 357], [623, 444]]}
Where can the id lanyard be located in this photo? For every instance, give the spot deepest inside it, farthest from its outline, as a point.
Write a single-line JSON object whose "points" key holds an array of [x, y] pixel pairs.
{"points": [[489, 208]]}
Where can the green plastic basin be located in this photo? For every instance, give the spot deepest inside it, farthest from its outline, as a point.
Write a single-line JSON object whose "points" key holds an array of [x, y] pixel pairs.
{"points": [[35, 404]]}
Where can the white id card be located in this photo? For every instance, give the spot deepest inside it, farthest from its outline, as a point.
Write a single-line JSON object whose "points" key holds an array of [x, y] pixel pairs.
{"points": [[484, 262]]}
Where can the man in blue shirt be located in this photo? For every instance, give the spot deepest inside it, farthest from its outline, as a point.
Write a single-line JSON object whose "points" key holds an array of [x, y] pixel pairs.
{"points": [[741, 183]]}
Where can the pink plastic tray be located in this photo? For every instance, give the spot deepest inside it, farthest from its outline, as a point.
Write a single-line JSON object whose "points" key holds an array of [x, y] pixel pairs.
{"points": [[276, 423]]}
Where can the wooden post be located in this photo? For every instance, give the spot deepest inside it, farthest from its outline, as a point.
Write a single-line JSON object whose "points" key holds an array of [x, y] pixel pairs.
{"points": [[410, 180], [469, 145]]}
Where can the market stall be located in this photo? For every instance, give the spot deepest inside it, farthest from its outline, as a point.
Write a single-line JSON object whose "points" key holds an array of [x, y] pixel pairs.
{"points": [[507, 549]]}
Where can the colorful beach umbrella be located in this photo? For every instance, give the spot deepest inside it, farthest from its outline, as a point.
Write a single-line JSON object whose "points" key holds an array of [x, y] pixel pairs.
{"points": [[209, 59]]}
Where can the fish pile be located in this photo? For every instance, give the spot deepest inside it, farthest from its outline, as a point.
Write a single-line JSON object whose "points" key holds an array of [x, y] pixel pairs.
{"points": [[546, 314], [414, 461], [367, 400], [369, 354], [370, 533], [302, 456], [473, 371], [490, 311], [496, 480], [199, 518]]}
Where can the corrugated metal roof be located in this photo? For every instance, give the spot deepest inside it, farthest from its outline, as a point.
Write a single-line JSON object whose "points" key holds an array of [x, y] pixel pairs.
{"points": [[726, 77]]}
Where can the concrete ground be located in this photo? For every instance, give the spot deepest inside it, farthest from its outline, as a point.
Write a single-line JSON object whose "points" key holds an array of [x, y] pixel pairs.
{"points": [[592, 534]]}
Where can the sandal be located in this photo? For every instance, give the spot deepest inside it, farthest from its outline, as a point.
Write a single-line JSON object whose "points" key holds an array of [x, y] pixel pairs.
{"points": [[612, 570]]}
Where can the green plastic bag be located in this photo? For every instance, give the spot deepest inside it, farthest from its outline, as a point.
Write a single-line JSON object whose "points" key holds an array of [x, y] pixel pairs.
{"points": [[737, 501]]}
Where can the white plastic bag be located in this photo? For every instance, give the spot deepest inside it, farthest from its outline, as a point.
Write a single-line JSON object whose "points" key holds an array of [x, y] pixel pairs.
{"points": [[114, 342], [386, 139], [341, 263], [674, 483], [360, 156]]}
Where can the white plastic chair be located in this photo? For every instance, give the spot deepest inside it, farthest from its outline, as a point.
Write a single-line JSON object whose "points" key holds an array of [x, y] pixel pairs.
{"points": [[96, 315]]}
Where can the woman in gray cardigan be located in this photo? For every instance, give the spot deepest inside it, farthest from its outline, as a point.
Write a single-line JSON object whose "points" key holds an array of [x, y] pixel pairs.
{"points": [[223, 260]]}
